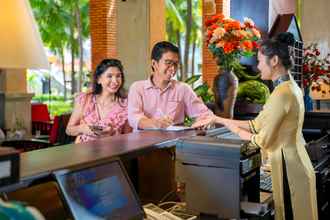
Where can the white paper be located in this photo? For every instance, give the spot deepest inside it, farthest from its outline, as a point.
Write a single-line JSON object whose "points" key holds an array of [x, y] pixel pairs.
{"points": [[177, 128], [170, 128]]}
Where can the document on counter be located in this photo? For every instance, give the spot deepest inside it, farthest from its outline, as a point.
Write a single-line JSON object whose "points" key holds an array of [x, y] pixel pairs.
{"points": [[178, 128], [170, 128]]}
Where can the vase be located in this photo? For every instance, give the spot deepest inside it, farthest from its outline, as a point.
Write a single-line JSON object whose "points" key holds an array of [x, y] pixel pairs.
{"points": [[225, 91], [308, 100]]}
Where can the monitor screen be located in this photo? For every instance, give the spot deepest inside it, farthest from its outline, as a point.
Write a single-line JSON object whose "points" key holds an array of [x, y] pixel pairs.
{"points": [[99, 192]]}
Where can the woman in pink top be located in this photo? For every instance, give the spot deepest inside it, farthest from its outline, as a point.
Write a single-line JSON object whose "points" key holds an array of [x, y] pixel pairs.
{"points": [[103, 111]]}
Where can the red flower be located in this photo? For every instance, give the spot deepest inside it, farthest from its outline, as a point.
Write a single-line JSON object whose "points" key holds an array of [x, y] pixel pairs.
{"points": [[305, 68], [247, 45], [208, 22], [218, 17], [255, 44], [209, 34], [323, 72], [305, 82], [213, 27], [315, 68], [228, 47], [233, 25], [317, 52]]}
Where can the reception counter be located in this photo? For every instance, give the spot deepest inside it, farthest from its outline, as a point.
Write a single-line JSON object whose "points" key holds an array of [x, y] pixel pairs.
{"points": [[149, 159], [38, 164]]}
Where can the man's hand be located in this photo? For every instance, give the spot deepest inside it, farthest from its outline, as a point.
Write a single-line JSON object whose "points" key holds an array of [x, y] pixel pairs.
{"points": [[155, 123], [163, 122]]}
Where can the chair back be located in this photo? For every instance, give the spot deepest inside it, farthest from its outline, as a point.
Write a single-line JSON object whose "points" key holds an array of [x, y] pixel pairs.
{"points": [[58, 135], [39, 112]]}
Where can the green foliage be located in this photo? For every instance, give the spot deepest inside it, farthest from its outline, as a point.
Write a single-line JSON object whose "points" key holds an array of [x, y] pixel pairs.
{"points": [[203, 91], [57, 22], [243, 75], [56, 104], [63, 25], [253, 91], [32, 80], [188, 121], [173, 16], [59, 107], [190, 81], [184, 28], [46, 98], [250, 87]]}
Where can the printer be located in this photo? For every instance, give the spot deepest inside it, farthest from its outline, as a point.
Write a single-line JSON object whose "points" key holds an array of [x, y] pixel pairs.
{"points": [[218, 171]]}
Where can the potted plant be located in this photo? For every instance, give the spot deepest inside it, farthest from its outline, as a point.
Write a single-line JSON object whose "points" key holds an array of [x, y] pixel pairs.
{"points": [[228, 39]]}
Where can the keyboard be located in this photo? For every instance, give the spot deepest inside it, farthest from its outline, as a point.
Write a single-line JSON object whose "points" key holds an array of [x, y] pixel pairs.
{"points": [[265, 182], [156, 213]]}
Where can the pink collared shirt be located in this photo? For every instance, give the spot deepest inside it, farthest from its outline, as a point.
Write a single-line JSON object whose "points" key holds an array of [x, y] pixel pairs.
{"points": [[177, 100]]}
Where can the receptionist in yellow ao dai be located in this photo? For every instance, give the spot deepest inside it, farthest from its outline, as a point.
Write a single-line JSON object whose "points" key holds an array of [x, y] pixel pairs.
{"points": [[278, 129]]}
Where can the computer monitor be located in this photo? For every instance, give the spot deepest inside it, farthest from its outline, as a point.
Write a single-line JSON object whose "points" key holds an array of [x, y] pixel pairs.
{"points": [[103, 191]]}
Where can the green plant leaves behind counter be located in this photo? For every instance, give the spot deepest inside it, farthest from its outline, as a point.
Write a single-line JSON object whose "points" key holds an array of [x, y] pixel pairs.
{"points": [[253, 91], [203, 90], [191, 80]]}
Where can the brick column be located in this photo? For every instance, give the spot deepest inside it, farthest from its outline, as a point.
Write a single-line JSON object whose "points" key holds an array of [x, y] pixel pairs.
{"points": [[209, 67], [126, 30], [103, 29]]}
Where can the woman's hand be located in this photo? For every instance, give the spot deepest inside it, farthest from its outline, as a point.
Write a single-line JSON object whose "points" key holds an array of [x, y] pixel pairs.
{"points": [[102, 130], [86, 129], [204, 122], [232, 127]]}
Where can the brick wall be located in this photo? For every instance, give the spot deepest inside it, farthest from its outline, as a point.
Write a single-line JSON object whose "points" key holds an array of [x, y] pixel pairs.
{"points": [[103, 29], [209, 66]]}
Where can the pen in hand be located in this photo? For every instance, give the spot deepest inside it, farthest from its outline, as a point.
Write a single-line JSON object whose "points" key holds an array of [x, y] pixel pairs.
{"points": [[165, 120]]}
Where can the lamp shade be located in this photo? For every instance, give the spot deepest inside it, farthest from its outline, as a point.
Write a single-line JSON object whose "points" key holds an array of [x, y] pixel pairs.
{"points": [[20, 41]]}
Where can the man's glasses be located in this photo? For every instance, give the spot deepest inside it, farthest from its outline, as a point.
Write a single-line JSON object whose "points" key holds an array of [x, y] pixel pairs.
{"points": [[170, 63]]}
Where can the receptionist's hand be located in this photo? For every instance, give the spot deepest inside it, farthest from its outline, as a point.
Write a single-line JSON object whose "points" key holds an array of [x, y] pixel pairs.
{"points": [[232, 127], [203, 123]]}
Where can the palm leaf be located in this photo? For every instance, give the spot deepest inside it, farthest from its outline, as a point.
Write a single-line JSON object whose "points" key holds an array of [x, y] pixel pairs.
{"points": [[174, 16], [192, 79]]}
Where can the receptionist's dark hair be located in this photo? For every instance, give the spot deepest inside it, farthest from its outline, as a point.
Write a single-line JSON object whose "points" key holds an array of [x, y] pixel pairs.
{"points": [[279, 46], [100, 69]]}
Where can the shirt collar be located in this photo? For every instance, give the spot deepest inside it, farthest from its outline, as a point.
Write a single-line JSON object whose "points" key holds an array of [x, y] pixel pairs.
{"points": [[150, 84], [281, 79]]}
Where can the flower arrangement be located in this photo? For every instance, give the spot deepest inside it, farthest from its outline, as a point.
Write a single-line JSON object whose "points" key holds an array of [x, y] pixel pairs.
{"points": [[316, 70], [228, 39]]}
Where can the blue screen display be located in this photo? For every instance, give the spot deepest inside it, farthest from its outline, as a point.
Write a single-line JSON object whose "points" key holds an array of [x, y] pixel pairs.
{"points": [[100, 192]]}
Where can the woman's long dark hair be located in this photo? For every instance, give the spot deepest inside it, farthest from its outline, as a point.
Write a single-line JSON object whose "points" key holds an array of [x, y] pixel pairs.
{"points": [[100, 69], [279, 46]]}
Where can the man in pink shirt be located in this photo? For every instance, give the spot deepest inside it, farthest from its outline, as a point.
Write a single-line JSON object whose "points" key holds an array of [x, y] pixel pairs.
{"points": [[160, 101]]}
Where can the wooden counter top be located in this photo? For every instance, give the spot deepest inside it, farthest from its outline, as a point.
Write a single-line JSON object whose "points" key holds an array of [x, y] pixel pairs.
{"points": [[42, 162]]}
